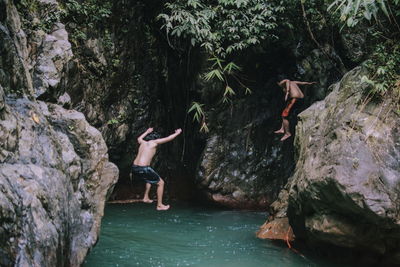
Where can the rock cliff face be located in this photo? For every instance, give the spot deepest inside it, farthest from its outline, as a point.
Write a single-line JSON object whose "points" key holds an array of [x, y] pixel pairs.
{"points": [[131, 81], [54, 178], [345, 189], [244, 164], [54, 168], [129, 78]]}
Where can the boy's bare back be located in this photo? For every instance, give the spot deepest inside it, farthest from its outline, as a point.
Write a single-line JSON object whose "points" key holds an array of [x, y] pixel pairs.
{"points": [[291, 88], [147, 149], [294, 90], [146, 152]]}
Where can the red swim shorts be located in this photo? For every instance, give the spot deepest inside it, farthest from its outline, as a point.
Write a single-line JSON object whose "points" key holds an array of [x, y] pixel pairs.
{"points": [[289, 105]]}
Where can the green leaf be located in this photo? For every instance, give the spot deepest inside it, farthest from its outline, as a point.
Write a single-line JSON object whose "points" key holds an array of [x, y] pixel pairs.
{"points": [[230, 67], [334, 3], [357, 6], [350, 22], [204, 127], [383, 7], [229, 91], [198, 111], [212, 74], [367, 14]]}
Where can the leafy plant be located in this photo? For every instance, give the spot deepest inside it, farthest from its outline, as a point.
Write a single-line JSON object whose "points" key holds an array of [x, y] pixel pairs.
{"points": [[384, 61], [83, 15], [112, 121], [221, 71], [39, 16], [199, 115], [353, 11], [90, 11], [223, 26], [385, 72]]}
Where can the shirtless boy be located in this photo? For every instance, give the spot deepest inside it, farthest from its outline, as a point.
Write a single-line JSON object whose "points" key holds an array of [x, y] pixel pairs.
{"points": [[292, 95], [141, 165]]}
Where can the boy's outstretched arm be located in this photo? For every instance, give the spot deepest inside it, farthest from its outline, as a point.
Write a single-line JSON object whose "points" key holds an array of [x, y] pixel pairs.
{"points": [[168, 138], [298, 82], [140, 138]]}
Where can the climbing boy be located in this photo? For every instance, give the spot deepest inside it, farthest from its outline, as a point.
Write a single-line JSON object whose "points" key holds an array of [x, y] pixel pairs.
{"points": [[293, 95], [141, 165]]}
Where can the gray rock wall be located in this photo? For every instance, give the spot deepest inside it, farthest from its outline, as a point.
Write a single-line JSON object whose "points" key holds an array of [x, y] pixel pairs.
{"points": [[54, 170], [346, 186], [244, 165], [54, 178], [345, 189]]}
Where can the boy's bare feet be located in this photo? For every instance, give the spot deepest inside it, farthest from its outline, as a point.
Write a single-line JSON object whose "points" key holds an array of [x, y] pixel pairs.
{"points": [[147, 200], [286, 136], [162, 207], [279, 131]]}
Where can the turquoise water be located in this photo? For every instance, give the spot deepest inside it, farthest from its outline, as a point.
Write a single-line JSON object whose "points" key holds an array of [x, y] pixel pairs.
{"points": [[138, 235]]}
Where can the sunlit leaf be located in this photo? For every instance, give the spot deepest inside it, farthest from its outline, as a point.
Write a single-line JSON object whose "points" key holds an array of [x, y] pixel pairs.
{"points": [[229, 91], [212, 74], [231, 67]]}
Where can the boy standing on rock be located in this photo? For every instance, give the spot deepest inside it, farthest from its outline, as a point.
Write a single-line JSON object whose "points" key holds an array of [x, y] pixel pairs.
{"points": [[141, 165], [293, 95]]}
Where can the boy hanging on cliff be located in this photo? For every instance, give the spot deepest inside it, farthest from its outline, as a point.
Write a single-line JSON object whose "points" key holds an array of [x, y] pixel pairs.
{"points": [[141, 165], [293, 95]]}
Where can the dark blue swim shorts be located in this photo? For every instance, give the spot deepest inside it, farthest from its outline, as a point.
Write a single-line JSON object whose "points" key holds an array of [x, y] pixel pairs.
{"points": [[146, 173]]}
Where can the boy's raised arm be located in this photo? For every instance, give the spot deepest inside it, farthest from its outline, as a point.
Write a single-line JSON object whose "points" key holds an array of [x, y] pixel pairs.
{"points": [[298, 82], [140, 138], [168, 138]]}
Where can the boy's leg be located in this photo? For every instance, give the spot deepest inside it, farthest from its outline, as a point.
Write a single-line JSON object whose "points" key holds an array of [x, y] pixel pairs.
{"points": [[160, 192], [286, 129], [146, 198], [285, 122], [281, 130]]}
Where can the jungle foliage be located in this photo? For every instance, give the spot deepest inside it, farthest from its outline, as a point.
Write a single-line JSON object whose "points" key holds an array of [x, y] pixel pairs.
{"points": [[84, 15], [354, 11], [384, 60], [224, 28], [36, 16], [78, 14]]}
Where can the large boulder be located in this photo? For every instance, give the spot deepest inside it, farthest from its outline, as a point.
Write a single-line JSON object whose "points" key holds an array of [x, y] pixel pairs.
{"points": [[54, 170], [345, 189], [54, 180]]}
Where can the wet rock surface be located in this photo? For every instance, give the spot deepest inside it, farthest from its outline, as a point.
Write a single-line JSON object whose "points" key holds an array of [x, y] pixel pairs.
{"points": [[278, 229], [344, 192]]}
